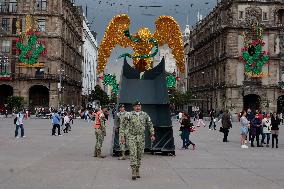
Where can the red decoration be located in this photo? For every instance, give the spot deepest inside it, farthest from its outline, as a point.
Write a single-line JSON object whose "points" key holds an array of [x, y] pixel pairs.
{"points": [[6, 78]]}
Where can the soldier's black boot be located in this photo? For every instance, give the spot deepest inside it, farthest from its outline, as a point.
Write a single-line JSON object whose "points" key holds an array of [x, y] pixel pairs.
{"points": [[137, 172], [95, 153], [134, 174]]}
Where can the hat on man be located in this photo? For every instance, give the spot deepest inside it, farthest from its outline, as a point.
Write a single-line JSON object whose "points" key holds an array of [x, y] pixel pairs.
{"points": [[103, 107], [136, 103]]}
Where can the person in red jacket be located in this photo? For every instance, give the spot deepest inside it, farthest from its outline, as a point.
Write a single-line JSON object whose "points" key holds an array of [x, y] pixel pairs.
{"points": [[100, 127]]}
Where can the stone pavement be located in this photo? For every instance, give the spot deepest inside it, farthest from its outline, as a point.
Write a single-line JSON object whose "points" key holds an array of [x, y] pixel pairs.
{"points": [[42, 161]]}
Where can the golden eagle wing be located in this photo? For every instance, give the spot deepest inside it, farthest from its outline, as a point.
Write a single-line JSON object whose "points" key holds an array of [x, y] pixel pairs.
{"points": [[168, 32], [114, 35]]}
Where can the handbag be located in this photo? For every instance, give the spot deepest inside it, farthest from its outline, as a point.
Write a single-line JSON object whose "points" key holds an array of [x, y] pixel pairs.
{"points": [[221, 130]]}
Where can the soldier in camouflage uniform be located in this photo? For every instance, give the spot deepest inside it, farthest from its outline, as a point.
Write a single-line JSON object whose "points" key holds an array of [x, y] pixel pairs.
{"points": [[121, 115], [135, 124], [100, 130]]}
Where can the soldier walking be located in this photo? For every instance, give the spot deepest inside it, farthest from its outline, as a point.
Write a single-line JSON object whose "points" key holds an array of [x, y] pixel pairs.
{"points": [[137, 121], [121, 115], [100, 129]]}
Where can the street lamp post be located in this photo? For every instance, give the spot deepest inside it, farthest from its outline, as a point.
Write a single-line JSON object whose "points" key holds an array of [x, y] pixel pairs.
{"points": [[60, 87]]}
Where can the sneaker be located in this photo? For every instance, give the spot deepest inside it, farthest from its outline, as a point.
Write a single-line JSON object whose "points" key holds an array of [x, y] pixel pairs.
{"points": [[59, 135], [243, 146], [246, 146], [56, 134], [17, 137], [210, 129], [24, 136]]}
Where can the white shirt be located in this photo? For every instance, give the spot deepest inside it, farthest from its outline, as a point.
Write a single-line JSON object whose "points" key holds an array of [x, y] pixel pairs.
{"points": [[20, 118], [66, 119], [180, 115]]}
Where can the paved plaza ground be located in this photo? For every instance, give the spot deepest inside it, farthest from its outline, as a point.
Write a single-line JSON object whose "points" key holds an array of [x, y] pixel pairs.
{"points": [[42, 161]]}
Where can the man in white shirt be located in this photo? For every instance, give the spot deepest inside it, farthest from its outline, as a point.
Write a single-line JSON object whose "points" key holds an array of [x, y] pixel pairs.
{"points": [[66, 123], [20, 124]]}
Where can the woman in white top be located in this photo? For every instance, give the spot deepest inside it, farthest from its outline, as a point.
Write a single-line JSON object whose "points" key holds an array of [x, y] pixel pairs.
{"points": [[244, 130], [266, 130]]}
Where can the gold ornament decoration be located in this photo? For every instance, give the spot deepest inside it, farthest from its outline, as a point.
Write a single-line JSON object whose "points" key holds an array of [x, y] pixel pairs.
{"points": [[117, 33]]}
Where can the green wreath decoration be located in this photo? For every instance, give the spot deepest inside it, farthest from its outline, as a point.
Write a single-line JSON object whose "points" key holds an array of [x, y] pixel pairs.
{"points": [[111, 81], [29, 54], [281, 85], [171, 81], [252, 54]]}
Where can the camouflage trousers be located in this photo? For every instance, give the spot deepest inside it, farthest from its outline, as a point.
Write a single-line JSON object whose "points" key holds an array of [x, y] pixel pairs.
{"points": [[122, 146], [100, 135], [136, 145]]}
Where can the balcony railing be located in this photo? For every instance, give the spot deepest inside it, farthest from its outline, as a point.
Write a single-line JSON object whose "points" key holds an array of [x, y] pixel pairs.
{"points": [[48, 77], [11, 7]]}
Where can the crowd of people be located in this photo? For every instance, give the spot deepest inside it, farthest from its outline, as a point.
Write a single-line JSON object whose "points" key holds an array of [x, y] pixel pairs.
{"points": [[257, 124], [257, 127]]}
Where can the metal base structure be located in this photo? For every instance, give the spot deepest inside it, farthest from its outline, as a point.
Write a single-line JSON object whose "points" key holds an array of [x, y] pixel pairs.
{"points": [[151, 90]]}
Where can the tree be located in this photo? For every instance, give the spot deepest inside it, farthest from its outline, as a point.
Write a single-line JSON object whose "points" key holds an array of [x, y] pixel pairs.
{"points": [[100, 95], [113, 98], [179, 98], [15, 102]]}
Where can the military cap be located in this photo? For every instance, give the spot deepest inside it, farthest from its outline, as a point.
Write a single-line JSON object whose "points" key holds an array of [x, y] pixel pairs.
{"points": [[136, 103], [103, 107]]}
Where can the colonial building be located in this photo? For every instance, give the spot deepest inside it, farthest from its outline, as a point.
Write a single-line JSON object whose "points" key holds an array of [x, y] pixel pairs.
{"points": [[217, 77], [56, 78], [90, 51]]}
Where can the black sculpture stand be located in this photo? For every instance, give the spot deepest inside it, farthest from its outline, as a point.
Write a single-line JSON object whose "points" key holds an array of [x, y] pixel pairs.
{"points": [[152, 92]]}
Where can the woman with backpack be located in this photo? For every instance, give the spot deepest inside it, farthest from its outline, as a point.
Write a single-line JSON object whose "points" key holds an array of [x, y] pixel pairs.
{"points": [[185, 132]]}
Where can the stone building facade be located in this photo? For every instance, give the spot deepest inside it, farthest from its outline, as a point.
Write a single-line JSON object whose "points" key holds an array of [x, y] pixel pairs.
{"points": [[216, 76], [89, 64], [59, 80]]}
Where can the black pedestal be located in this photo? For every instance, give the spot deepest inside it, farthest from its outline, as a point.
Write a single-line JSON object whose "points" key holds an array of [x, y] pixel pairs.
{"points": [[152, 91]]}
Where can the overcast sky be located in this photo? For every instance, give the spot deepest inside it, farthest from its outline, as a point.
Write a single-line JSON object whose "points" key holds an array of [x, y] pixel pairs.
{"points": [[100, 12]]}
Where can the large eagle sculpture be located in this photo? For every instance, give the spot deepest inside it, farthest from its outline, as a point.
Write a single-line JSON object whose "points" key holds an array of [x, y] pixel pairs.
{"points": [[117, 33]]}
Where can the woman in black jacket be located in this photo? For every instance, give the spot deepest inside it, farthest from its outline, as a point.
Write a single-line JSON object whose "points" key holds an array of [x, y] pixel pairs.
{"points": [[185, 132], [275, 122]]}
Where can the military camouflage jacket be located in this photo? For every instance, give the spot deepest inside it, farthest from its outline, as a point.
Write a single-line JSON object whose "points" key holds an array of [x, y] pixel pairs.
{"points": [[120, 118], [136, 123]]}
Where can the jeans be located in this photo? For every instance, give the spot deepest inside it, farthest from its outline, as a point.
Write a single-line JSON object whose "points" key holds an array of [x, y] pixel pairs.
{"points": [[212, 123], [185, 138], [226, 133], [274, 137], [22, 130], [267, 136], [256, 136], [67, 128], [200, 122], [54, 128]]}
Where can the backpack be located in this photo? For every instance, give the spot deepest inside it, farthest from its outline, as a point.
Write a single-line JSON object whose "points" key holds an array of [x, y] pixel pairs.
{"points": [[15, 120]]}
